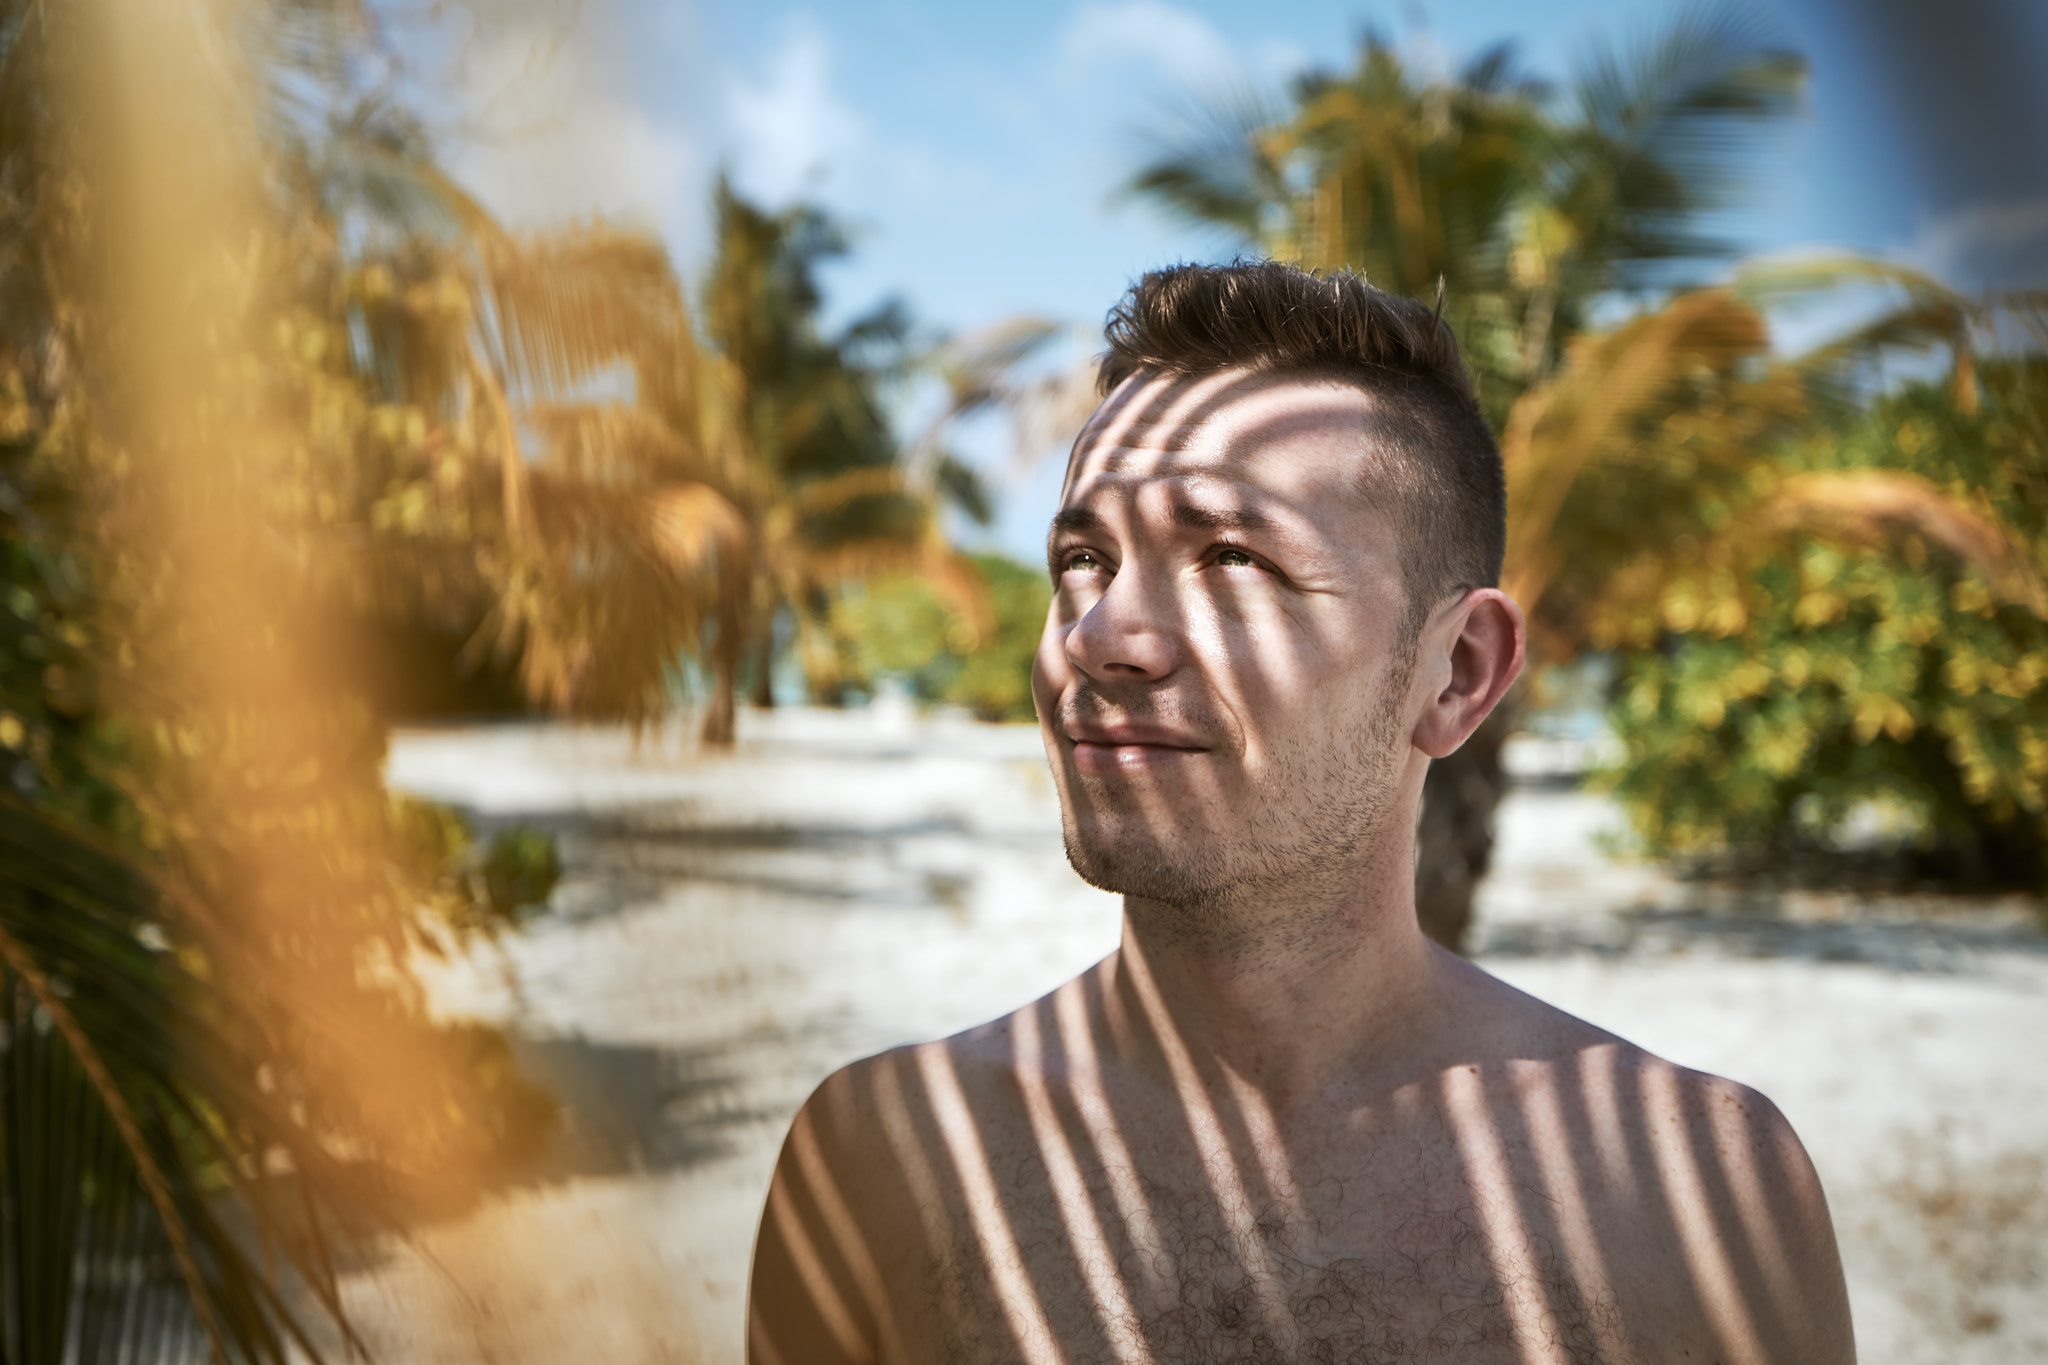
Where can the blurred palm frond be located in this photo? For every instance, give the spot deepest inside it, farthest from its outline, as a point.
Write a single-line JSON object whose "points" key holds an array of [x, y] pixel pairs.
{"points": [[128, 1116]]}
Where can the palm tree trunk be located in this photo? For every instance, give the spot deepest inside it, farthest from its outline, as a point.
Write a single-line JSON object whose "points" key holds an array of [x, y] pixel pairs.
{"points": [[734, 587], [716, 731], [763, 693], [1454, 839]]}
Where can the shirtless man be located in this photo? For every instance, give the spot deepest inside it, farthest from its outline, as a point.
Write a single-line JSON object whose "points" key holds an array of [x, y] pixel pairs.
{"points": [[1278, 1124]]}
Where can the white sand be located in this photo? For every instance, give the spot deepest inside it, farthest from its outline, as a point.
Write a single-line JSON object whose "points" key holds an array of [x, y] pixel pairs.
{"points": [[733, 928]]}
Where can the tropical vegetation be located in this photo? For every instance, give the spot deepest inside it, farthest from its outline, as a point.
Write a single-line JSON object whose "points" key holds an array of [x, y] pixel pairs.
{"points": [[1865, 697], [215, 1062]]}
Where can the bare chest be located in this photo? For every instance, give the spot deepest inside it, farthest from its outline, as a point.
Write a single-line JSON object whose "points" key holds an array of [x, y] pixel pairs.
{"points": [[1154, 1254]]}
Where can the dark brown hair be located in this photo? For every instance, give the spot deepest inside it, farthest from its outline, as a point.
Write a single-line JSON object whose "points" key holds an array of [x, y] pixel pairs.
{"points": [[1433, 460]]}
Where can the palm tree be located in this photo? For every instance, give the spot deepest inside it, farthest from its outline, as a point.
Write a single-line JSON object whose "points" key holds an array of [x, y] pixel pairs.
{"points": [[822, 486], [601, 493], [1525, 215], [584, 531]]}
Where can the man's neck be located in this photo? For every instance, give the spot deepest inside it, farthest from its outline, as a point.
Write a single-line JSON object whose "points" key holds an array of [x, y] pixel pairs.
{"points": [[1313, 997]]}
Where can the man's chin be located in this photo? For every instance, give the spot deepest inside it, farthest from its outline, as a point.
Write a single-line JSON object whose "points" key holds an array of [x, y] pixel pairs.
{"points": [[1139, 866]]}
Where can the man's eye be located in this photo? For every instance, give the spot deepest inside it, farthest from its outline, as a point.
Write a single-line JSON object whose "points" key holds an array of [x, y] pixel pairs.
{"points": [[1081, 559], [1234, 559]]}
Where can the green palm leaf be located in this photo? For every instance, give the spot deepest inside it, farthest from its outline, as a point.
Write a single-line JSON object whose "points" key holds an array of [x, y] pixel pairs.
{"points": [[143, 1215]]}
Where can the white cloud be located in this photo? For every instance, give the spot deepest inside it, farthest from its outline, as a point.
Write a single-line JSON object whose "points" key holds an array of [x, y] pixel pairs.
{"points": [[790, 128], [1181, 45], [1987, 243], [562, 136]]}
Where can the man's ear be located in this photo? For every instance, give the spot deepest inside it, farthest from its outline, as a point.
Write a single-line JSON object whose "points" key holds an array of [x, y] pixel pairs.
{"points": [[1481, 640]]}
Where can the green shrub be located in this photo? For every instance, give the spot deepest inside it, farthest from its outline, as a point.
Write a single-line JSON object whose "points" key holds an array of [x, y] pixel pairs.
{"points": [[1884, 683]]}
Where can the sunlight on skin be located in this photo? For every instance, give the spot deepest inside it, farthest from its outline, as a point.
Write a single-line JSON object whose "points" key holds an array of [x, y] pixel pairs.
{"points": [[1091, 1103], [1599, 1083], [1212, 1145], [1077, 1211], [824, 1296], [1209, 588], [912, 1159], [1175, 456], [845, 1233], [1269, 1148], [1000, 1254], [1567, 1195], [1691, 1209], [761, 1347], [1755, 1211], [1493, 1187]]}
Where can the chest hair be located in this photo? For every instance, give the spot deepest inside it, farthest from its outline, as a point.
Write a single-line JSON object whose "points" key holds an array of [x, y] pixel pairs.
{"points": [[1204, 1287]]}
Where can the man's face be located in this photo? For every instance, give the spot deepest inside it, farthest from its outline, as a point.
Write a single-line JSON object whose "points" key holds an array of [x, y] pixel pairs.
{"points": [[1222, 683]]}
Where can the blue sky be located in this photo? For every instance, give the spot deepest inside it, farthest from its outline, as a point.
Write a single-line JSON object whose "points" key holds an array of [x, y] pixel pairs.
{"points": [[976, 149]]}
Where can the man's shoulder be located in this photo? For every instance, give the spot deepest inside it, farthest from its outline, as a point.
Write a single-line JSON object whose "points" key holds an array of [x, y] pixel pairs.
{"points": [[1534, 1038], [1693, 1186], [1625, 1091], [910, 1094]]}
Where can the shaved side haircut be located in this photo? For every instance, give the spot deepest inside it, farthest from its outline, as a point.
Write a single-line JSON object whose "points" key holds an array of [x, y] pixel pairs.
{"points": [[1432, 463]]}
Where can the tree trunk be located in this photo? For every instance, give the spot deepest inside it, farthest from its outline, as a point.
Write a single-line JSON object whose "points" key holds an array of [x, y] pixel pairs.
{"points": [[1454, 839], [717, 730], [763, 692]]}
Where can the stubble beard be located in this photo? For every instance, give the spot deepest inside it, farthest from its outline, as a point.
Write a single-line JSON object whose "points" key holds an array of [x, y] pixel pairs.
{"points": [[1315, 832]]}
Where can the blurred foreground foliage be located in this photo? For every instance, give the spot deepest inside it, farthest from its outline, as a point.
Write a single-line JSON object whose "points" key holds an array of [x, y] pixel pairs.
{"points": [[900, 627], [216, 1064], [1841, 694]]}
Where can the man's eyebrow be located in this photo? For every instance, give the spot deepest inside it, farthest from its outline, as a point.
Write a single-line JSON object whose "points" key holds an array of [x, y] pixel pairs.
{"points": [[1075, 519], [1220, 518]]}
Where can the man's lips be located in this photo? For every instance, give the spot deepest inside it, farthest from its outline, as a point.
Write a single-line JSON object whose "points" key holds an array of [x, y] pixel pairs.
{"points": [[1120, 748]]}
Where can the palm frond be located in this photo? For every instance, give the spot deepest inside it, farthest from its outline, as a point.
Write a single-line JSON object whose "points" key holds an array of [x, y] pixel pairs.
{"points": [[980, 372], [1666, 130], [1881, 506], [377, 175], [1210, 162], [125, 1107], [1559, 432], [697, 532], [1928, 315], [566, 306], [1497, 71], [962, 485], [1689, 100], [610, 443]]}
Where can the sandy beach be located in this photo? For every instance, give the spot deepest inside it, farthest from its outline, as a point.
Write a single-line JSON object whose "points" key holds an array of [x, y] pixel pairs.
{"points": [[731, 928]]}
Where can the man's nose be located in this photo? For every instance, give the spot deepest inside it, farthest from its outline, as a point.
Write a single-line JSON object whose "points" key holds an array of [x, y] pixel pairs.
{"points": [[1128, 634]]}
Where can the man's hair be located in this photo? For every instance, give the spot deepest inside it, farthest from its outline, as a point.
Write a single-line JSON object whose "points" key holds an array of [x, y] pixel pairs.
{"points": [[1433, 453]]}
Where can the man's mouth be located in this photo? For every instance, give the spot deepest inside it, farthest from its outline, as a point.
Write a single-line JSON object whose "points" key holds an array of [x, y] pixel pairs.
{"points": [[1128, 747]]}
